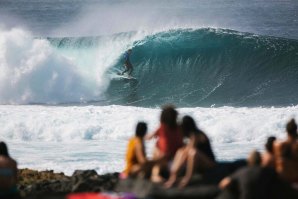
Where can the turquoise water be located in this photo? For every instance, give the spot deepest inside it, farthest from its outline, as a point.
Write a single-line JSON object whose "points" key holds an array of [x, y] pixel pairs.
{"points": [[202, 67]]}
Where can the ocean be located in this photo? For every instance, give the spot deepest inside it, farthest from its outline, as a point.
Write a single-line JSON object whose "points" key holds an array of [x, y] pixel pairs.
{"points": [[232, 65]]}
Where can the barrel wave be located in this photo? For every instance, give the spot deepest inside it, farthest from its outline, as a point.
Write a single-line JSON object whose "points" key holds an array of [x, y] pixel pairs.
{"points": [[202, 67]]}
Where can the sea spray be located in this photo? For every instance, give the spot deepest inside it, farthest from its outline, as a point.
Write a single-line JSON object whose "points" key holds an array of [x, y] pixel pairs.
{"points": [[31, 72]]}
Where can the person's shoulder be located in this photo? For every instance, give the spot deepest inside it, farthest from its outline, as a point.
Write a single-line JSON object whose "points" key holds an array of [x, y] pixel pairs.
{"points": [[131, 140], [14, 163], [202, 136], [7, 161], [138, 140]]}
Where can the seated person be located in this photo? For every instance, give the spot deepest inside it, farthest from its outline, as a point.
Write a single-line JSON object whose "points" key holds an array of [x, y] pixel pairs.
{"points": [[197, 155], [8, 174], [286, 154], [268, 159], [169, 140], [136, 152], [250, 182]]}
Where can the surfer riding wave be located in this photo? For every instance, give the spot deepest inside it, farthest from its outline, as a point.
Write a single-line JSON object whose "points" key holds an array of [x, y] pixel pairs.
{"points": [[127, 64]]}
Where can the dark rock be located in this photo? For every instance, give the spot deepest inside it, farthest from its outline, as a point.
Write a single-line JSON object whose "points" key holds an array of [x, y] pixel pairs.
{"points": [[81, 175], [145, 189], [139, 187], [196, 192]]}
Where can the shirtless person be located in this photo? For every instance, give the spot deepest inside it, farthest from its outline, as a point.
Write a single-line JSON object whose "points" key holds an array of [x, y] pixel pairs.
{"points": [[251, 182], [8, 174], [286, 154], [268, 159], [127, 63]]}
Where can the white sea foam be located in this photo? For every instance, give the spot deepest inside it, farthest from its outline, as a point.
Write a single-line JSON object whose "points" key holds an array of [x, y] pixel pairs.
{"points": [[33, 71], [95, 137]]}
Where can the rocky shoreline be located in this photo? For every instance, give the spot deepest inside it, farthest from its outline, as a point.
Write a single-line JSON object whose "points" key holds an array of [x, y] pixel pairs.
{"points": [[47, 184], [34, 184]]}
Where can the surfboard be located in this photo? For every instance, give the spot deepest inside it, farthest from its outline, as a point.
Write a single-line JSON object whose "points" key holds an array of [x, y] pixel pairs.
{"points": [[125, 76]]}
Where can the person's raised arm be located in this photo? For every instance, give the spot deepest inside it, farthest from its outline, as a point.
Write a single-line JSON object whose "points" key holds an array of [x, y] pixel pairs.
{"points": [[151, 135]]}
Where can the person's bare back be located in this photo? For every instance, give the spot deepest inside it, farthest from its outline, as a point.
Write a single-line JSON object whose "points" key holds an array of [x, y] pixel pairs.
{"points": [[8, 172], [287, 159], [286, 154]]}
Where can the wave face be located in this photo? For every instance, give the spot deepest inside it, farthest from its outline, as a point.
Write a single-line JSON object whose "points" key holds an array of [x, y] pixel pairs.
{"points": [[208, 67], [186, 67]]}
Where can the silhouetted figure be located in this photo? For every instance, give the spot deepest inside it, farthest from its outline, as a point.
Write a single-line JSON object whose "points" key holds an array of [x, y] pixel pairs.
{"points": [[253, 182], [268, 159], [8, 174], [286, 154]]}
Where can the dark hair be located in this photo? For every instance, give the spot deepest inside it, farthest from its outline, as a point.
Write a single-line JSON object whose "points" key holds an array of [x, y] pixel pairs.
{"points": [[3, 149], [189, 126], [169, 116], [141, 129], [292, 128], [269, 144]]}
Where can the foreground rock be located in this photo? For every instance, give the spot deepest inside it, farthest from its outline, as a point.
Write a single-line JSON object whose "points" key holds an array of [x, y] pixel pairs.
{"points": [[35, 184], [50, 185]]}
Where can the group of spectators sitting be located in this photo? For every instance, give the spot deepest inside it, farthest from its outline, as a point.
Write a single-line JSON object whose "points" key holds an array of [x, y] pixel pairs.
{"points": [[170, 151], [183, 150]]}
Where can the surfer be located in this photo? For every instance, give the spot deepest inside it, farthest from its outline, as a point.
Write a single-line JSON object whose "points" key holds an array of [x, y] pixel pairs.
{"points": [[127, 64]]}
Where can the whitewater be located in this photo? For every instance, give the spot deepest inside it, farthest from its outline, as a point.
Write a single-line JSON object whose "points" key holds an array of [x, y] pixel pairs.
{"points": [[63, 109]]}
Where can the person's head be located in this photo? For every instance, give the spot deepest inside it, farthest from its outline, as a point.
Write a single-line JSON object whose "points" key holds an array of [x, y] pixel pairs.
{"points": [[3, 149], [292, 128], [269, 144], [254, 158], [141, 129], [129, 51], [169, 116], [188, 126]]}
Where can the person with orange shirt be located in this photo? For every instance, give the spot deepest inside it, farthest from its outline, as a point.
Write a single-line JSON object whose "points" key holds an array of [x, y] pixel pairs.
{"points": [[136, 152]]}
